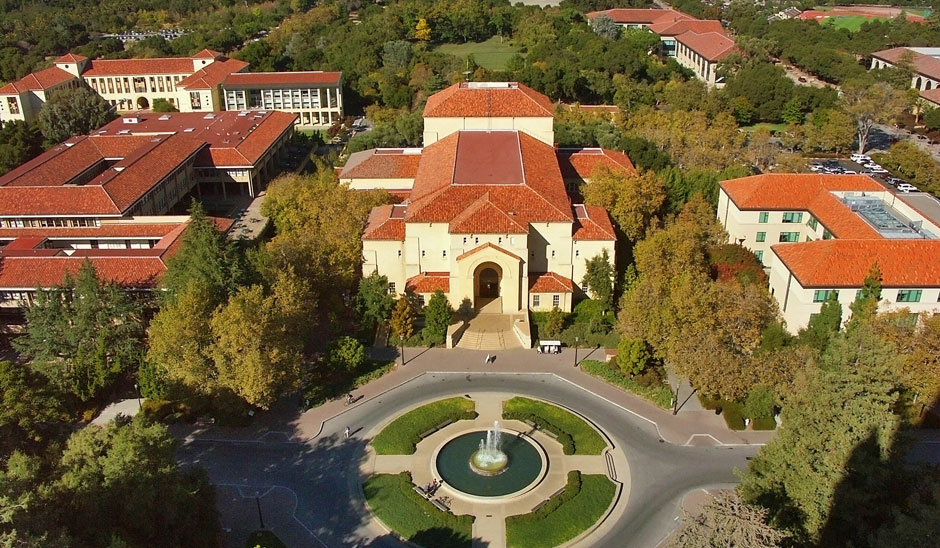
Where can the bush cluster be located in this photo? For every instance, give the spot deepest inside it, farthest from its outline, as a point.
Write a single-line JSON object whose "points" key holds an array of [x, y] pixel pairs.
{"points": [[402, 435], [648, 386], [450, 521], [564, 438], [572, 489]]}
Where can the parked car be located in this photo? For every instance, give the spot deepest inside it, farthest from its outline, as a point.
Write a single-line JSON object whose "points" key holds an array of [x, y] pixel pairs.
{"points": [[907, 187], [859, 157], [895, 181], [849, 172]]}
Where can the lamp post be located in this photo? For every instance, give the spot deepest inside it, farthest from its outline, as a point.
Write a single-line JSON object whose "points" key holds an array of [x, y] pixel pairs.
{"points": [[137, 389], [675, 402], [576, 351]]}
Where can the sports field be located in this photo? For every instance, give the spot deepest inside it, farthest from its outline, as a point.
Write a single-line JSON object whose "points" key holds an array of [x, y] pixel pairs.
{"points": [[491, 54]]}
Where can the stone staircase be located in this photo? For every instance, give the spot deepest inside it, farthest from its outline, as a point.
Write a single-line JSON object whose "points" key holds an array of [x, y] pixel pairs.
{"points": [[482, 340], [489, 332]]}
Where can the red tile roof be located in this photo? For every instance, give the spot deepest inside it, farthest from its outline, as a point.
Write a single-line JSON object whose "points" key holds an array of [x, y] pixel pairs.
{"points": [[111, 230], [39, 80], [484, 217], [30, 272], [207, 54], [152, 165], [549, 282], [56, 200], [638, 16], [924, 64], [579, 163], [212, 75], [713, 46], [488, 99], [382, 163], [675, 28], [846, 263], [139, 67], [265, 79], [71, 58], [806, 192], [592, 223], [488, 246], [932, 95], [385, 222], [428, 282]]}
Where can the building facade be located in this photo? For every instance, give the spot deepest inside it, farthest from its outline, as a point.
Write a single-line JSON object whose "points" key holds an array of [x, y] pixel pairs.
{"points": [[926, 65], [819, 235], [485, 215], [200, 83]]}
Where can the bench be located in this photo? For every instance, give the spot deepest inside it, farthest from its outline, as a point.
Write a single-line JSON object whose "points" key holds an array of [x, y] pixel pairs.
{"points": [[435, 429], [546, 501], [440, 506], [420, 490]]}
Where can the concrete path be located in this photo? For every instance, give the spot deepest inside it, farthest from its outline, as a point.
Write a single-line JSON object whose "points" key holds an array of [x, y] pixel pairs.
{"points": [[127, 408], [691, 426]]}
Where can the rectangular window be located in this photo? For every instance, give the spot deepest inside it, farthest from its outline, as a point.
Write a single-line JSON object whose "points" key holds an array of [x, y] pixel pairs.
{"points": [[421, 301], [764, 217], [535, 301], [584, 288], [13, 105], [789, 217], [761, 236], [391, 288], [577, 252], [813, 223], [827, 235], [789, 236], [760, 255], [556, 300], [909, 295], [821, 295], [195, 100]]}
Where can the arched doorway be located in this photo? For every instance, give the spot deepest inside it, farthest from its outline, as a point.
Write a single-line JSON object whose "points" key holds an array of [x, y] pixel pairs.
{"points": [[143, 103], [486, 283]]}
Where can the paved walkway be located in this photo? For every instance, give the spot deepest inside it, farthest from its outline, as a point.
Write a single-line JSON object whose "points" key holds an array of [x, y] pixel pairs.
{"points": [[691, 426], [127, 408]]}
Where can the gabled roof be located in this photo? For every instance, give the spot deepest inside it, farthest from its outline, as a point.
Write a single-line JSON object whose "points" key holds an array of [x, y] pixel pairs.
{"points": [[484, 217], [382, 163], [212, 75], [137, 67], [386, 222], [713, 46], [488, 100], [579, 163], [428, 282], [675, 28], [805, 192], [640, 16], [207, 54], [71, 58], [846, 263], [549, 282], [488, 245], [923, 64], [36, 81], [592, 223], [265, 79]]}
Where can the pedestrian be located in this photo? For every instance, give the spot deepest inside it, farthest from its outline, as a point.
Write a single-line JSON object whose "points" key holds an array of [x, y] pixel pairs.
{"points": [[346, 432], [486, 359]]}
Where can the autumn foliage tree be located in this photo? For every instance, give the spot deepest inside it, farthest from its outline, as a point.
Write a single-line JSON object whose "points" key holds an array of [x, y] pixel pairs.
{"points": [[633, 200]]}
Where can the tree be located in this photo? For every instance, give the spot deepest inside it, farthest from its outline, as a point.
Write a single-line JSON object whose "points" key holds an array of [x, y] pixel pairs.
{"points": [[824, 325], [631, 199], [345, 354], [865, 305], [765, 86], [19, 142], [793, 111], [82, 334], [256, 352], [828, 130], [403, 322], [30, 411], [207, 256], [726, 520], [180, 338], [396, 54], [438, 315], [633, 356], [554, 324], [605, 27], [760, 402], [761, 149], [869, 105], [914, 164], [373, 301], [598, 277], [163, 105], [71, 112], [423, 30]]}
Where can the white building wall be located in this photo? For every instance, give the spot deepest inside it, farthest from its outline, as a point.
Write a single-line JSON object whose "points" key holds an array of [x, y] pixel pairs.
{"points": [[370, 184], [541, 128]]}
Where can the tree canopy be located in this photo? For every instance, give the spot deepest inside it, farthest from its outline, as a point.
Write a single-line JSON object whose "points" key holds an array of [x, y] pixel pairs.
{"points": [[71, 112]]}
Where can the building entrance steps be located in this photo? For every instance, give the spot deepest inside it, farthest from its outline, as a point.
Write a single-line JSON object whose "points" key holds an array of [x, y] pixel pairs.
{"points": [[489, 332]]}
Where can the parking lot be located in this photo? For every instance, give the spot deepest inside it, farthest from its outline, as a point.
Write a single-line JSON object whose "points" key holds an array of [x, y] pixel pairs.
{"points": [[860, 164]]}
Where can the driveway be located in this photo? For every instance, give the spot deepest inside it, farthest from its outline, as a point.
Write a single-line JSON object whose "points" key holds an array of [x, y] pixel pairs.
{"points": [[316, 482]]}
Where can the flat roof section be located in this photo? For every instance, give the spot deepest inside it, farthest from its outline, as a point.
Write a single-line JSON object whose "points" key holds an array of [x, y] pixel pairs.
{"points": [[888, 222], [488, 158], [924, 203]]}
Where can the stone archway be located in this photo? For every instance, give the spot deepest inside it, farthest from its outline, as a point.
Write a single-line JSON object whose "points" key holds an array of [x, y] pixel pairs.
{"points": [[487, 278], [143, 103]]}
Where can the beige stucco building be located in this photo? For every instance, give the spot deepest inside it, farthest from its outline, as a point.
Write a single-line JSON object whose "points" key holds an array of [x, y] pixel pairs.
{"points": [[820, 234]]}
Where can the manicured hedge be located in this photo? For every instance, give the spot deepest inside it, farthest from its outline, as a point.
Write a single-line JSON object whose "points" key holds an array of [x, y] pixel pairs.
{"points": [[402, 435], [660, 395], [575, 435], [764, 423], [412, 516], [731, 411], [564, 517]]}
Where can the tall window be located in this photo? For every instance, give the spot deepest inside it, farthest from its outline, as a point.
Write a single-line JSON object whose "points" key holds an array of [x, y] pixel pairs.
{"points": [[195, 100], [391, 288], [827, 235], [556, 300], [761, 236], [536, 301], [13, 105], [789, 236], [909, 295], [764, 217], [760, 255], [813, 223], [820, 295], [790, 217]]}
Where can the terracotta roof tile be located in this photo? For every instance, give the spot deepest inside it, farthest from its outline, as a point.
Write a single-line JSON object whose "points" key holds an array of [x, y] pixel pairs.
{"points": [[382, 163], [111, 230], [212, 75], [30, 272], [488, 99], [675, 28], [484, 217], [639, 16], [592, 223], [924, 64], [71, 58], [713, 46], [263, 79], [579, 163], [56, 200], [132, 67], [207, 54], [428, 282], [845, 263], [385, 223], [549, 282], [39, 80]]}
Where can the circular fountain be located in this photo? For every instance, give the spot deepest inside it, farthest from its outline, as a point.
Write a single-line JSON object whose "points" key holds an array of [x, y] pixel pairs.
{"points": [[490, 463]]}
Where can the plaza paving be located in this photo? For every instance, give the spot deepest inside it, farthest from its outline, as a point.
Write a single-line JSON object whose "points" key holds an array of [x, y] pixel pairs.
{"points": [[305, 453]]}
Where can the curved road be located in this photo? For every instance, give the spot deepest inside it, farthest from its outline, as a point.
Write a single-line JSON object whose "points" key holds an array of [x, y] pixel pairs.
{"points": [[316, 481]]}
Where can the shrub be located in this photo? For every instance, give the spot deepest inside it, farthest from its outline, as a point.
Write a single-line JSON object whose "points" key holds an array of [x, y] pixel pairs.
{"points": [[584, 438], [565, 516], [412, 516], [572, 489], [554, 323], [731, 411], [402, 435], [633, 356], [565, 439], [759, 403], [346, 354], [764, 423], [162, 105], [658, 393]]}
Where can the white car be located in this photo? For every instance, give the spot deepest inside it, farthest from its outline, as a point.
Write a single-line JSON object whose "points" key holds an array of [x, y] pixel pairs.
{"points": [[907, 187], [858, 157]]}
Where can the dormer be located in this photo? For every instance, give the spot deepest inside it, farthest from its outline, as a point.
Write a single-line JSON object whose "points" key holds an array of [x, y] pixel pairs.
{"points": [[72, 63]]}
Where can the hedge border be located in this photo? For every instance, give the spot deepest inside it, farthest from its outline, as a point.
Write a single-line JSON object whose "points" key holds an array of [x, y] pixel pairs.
{"points": [[661, 396]]}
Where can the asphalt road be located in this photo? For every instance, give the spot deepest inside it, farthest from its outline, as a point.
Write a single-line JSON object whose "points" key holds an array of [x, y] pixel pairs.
{"points": [[321, 474]]}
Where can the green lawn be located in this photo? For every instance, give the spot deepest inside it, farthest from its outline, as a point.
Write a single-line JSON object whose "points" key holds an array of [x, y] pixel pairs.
{"points": [[392, 499], [491, 54], [661, 395], [584, 438], [566, 521], [264, 539], [851, 22], [403, 433], [774, 128]]}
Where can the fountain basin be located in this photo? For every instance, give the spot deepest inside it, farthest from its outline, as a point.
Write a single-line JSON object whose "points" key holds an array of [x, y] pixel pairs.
{"points": [[488, 463], [525, 466]]}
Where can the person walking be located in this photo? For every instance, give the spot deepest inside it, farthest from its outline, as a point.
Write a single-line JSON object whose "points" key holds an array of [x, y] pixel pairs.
{"points": [[346, 432]]}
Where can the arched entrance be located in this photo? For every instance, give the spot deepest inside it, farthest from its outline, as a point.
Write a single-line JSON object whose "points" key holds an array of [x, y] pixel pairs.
{"points": [[143, 103], [486, 283]]}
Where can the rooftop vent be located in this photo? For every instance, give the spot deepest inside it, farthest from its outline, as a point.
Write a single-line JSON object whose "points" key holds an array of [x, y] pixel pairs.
{"points": [[124, 132], [209, 116], [188, 130], [165, 117], [131, 119]]}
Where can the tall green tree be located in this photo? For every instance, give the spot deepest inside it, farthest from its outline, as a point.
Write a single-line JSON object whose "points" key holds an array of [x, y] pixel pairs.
{"points": [[71, 112], [373, 301], [180, 338], [403, 322], [83, 334], [31, 412], [823, 326], [865, 305], [598, 277], [345, 354], [871, 104], [19, 142], [633, 356], [438, 315]]}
